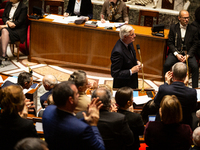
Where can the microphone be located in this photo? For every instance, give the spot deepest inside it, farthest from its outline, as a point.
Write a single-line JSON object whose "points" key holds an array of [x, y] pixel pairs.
{"points": [[138, 49]]}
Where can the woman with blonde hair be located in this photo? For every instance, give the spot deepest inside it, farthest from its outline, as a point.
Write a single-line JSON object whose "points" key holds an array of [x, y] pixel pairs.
{"points": [[12, 127], [168, 133]]}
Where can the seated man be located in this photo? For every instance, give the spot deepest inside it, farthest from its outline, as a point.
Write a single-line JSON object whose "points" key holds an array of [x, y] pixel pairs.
{"points": [[62, 130], [183, 37], [49, 81], [80, 79], [196, 139]]}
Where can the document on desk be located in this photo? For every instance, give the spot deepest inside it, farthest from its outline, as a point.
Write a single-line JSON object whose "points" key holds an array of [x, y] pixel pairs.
{"points": [[38, 126], [106, 24], [141, 99]]}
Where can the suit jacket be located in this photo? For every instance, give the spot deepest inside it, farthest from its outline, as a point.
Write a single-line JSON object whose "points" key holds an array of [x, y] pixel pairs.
{"points": [[167, 136], [8, 83], [122, 61], [19, 19], [85, 10], [13, 128], [44, 97], [62, 130], [122, 11], [191, 39], [187, 97], [135, 124], [115, 131]]}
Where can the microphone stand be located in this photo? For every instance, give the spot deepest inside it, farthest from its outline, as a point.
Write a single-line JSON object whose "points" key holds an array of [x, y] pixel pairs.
{"points": [[188, 73]]}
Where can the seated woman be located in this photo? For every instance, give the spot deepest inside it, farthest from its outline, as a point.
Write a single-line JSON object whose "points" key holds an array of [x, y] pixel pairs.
{"points": [[79, 8], [15, 27], [168, 133], [115, 11], [12, 127], [124, 99]]}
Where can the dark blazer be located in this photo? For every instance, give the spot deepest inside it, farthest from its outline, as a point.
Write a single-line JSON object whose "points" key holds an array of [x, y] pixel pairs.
{"points": [[19, 19], [115, 131], [85, 10], [135, 124], [62, 130], [160, 136], [8, 83], [122, 61], [191, 39], [44, 97], [187, 97], [14, 128]]}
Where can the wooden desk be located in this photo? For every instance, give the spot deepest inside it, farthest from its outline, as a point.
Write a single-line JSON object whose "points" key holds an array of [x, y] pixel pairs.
{"points": [[90, 48]]}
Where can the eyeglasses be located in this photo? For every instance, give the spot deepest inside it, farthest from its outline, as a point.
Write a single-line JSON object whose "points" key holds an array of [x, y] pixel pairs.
{"points": [[185, 18]]}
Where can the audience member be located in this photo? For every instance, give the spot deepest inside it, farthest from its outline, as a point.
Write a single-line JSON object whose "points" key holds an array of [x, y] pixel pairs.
{"points": [[31, 144], [80, 79], [196, 139], [183, 37], [125, 66], [112, 126], [49, 81], [49, 102], [148, 109], [168, 134], [12, 127], [124, 99], [187, 96], [79, 8], [62, 130], [15, 27], [115, 11]]}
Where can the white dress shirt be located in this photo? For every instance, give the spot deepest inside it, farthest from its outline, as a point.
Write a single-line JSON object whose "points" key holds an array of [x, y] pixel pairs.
{"points": [[12, 11], [77, 7]]}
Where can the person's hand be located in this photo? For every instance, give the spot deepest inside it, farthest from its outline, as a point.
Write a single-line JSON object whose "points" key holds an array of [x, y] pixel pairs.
{"points": [[92, 116], [86, 18], [66, 14], [11, 24], [29, 105], [140, 64], [180, 57], [135, 68], [113, 108], [126, 22], [2, 26], [184, 59], [103, 20], [168, 77]]}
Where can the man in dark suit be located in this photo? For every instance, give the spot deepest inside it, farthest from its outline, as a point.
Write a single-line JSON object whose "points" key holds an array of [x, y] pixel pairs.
{"points": [[125, 66], [187, 96], [183, 37], [113, 126], [62, 130]]}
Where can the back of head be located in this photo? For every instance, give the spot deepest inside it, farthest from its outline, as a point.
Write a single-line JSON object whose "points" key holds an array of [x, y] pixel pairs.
{"points": [[31, 144], [104, 96], [62, 92], [171, 110], [24, 77], [12, 99], [123, 95], [106, 87], [179, 71], [50, 80], [125, 31], [196, 136], [78, 77]]}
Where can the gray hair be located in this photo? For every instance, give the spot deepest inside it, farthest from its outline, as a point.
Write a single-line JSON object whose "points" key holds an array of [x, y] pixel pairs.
{"points": [[179, 70], [50, 80], [196, 136], [125, 31], [78, 77]]}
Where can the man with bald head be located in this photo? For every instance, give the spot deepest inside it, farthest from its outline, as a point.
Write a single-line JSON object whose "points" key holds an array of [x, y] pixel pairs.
{"points": [[183, 37], [196, 139], [49, 81]]}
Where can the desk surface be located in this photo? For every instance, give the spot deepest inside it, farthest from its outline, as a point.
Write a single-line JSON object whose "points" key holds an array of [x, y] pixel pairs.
{"points": [[87, 48]]}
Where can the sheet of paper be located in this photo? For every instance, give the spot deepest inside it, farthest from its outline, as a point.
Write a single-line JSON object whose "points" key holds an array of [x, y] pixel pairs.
{"points": [[38, 126], [50, 16], [141, 100], [11, 79], [1, 80], [106, 24], [198, 94]]}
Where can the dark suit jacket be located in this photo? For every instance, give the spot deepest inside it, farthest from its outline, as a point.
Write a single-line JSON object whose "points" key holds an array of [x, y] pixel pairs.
{"points": [[160, 136], [122, 61], [8, 83], [85, 10], [187, 97], [191, 39], [62, 131], [19, 19], [135, 124], [44, 97], [14, 128], [115, 131]]}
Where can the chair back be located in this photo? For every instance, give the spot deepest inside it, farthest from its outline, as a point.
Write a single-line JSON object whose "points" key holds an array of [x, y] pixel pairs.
{"points": [[148, 17], [54, 6]]}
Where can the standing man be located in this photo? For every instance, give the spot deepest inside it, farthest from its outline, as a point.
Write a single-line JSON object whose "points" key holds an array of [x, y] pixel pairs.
{"points": [[125, 66], [62, 130], [183, 37]]}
